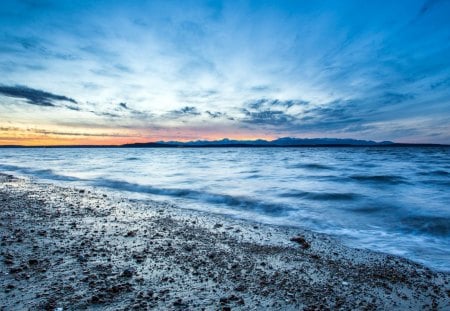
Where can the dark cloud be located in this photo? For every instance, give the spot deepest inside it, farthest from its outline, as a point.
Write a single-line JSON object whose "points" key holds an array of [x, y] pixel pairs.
{"points": [[185, 111], [136, 113], [269, 103], [272, 112], [33, 96], [215, 115], [339, 115], [268, 117], [73, 108], [104, 114]]}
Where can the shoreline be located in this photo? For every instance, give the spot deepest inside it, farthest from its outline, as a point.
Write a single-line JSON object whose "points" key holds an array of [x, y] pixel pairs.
{"points": [[72, 248]]}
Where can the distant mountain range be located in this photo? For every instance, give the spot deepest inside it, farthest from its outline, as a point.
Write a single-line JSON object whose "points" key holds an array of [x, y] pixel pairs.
{"points": [[280, 142]]}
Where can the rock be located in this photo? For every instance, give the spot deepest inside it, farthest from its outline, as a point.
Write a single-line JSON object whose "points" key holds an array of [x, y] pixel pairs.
{"points": [[178, 303], [96, 299], [120, 288], [131, 234], [302, 241], [82, 258], [42, 233], [232, 298], [128, 273], [188, 248]]}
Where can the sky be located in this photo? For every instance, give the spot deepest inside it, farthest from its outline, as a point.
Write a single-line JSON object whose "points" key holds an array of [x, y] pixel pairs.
{"points": [[113, 72]]}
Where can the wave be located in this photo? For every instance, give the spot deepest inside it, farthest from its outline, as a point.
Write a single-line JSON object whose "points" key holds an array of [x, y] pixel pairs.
{"points": [[437, 182], [236, 202], [435, 173], [131, 159], [433, 225], [312, 166], [365, 209], [382, 179], [254, 176], [321, 196], [45, 174]]}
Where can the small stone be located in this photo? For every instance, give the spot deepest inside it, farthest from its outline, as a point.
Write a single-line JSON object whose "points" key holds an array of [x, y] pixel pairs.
{"points": [[130, 234], [128, 273], [302, 241], [178, 302]]}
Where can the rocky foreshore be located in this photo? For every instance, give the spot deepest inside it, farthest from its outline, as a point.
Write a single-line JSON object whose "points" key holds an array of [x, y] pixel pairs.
{"points": [[75, 249]]}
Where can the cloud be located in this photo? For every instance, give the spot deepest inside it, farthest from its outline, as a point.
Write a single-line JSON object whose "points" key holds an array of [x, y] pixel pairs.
{"points": [[273, 112], [268, 117], [31, 46], [183, 112], [66, 133], [280, 116], [136, 113], [392, 98], [214, 115], [337, 115], [33, 96], [105, 114], [269, 103]]}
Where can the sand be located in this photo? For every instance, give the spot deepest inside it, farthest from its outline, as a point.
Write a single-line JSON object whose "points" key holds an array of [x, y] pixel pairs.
{"points": [[75, 249]]}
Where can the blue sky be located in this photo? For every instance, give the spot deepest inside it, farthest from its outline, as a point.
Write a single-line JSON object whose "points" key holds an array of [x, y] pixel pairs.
{"points": [[149, 70]]}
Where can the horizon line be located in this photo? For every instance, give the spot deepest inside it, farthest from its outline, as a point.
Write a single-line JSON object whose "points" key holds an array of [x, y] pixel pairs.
{"points": [[237, 143]]}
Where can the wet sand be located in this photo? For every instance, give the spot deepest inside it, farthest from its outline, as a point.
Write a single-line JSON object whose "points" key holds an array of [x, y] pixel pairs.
{"points": [[71, 249]]}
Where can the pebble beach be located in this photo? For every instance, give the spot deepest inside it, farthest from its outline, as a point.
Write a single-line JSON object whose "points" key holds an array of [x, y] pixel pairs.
{"points": [[67, 248]]}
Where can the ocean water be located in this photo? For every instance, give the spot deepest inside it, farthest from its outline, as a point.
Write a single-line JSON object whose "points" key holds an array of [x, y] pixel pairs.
{"points": [[395, 200]]}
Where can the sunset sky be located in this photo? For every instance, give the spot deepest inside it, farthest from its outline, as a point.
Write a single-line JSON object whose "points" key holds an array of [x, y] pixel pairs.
{"points": [[112, 72]]}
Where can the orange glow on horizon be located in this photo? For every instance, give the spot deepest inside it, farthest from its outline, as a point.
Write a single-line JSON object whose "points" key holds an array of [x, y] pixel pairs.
{"points": [[23, 137]]}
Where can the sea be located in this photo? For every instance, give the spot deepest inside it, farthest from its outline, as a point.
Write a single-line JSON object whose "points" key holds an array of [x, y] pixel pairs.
{"points": [[390, 199]]}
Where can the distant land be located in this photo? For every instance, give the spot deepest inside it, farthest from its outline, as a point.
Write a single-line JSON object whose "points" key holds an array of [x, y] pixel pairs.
{"points": [[280, 142]]}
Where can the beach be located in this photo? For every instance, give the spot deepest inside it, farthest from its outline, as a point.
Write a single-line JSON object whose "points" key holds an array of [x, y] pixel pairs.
{"points": [[68, 248]]}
